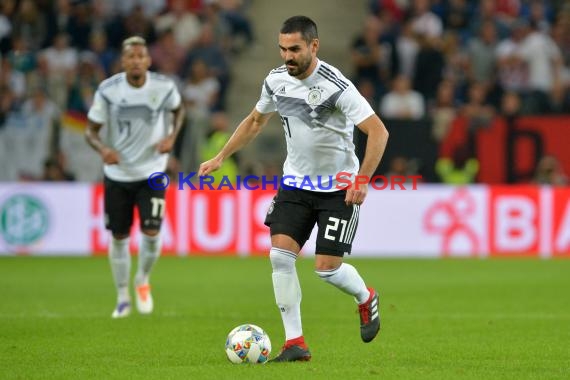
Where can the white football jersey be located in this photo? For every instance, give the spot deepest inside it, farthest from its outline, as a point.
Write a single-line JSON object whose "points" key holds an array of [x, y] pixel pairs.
{"points": [[134, 120], [318, 114]]}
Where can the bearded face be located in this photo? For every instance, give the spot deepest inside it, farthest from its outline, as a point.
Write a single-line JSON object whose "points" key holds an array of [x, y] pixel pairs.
{"points": [[297, 54]]}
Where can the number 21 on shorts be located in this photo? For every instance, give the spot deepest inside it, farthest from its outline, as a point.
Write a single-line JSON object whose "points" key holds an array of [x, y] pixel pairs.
{"points": [[346, 233]]}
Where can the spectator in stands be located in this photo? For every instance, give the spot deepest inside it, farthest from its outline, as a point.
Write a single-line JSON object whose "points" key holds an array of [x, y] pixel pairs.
{"points": [[7, 104], [368, 53], [216, 137], [507, 10], [393, 9], [37, 135], [104, 54], [444, 110], [424, 21], [7, 8], [221, 29], [148, 8], [55, 169], [166, 53], [101, 15], [368, 91], [201, 91], [59, 67], [481, 55], [208, 51], [80, 25], [31, 24], [460, 169], [477, 110], [13, 79], [185, 24], [512, 68], [174, 167], [64, 28], [241, 29], [559, 101], [487, 12], [22, 58], [401, 166], [137, 24], [532, 66], [457, 64], [549, 171], [511, 106], [169, 70], [457, 15], [544, 62], [538, 15], [194, 6], [560, 34], [59, 16], [407, 48], [84, 85], [200, 95], [430, 63], [402, 102]]}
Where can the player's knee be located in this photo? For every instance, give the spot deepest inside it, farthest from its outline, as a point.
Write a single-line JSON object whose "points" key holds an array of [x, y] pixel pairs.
{"points": [[284, 241], [151, 233], [324, 262], [120, 235], [119, 248], [282, 260], [325, 274], [327, 268]]}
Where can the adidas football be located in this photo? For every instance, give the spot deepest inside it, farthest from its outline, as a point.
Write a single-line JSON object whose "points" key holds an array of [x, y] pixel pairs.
{"points": [[248, 344]]}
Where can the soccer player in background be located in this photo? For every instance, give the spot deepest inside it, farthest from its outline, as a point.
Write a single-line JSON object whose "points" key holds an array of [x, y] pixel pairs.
{"points": [[132, 106], [318, 107]]}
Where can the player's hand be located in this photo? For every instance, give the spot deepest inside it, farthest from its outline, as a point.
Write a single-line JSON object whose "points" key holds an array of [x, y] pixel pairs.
{"points": [[110, 156], [209, 166], [165, 145], [356, 194]]}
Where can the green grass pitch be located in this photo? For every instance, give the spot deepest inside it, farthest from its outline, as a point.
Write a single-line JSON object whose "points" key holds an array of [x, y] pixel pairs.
{"points": [[441, 319]]}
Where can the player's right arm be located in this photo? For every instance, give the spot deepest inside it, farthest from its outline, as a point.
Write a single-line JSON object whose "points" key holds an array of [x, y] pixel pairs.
{"points": [[246, 131], [109, 155], [97, 116]]}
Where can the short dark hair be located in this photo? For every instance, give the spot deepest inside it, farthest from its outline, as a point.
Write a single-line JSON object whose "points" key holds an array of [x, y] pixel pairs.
{"points": [[301, 24], [133, 41]]}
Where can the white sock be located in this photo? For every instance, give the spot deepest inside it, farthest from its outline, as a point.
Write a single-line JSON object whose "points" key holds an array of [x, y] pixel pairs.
{"points": [[347, 279], [120, 260], [148, 254], [287, 291]]}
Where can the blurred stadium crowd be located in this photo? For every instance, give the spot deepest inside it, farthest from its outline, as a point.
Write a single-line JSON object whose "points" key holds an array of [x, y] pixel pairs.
{"points": [[54, 53], [413, 59], [441, 59]]}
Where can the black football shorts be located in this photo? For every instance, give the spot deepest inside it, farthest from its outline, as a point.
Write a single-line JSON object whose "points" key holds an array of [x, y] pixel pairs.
{"points": [[294, 212], [121, 199]]}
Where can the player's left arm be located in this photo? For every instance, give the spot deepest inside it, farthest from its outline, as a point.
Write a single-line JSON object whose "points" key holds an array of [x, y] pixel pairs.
{"points": [[377, 134], [356, 109], [166, 144], [175, 104]]}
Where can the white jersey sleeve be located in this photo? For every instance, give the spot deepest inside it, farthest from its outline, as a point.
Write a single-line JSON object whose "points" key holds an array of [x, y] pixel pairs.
{"points": [[354, 106], [265, 104], [174, 99], [98, 112]]}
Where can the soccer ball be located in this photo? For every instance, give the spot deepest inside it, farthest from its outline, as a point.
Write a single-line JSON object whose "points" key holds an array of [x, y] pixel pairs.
{"points": [[248, 344]]}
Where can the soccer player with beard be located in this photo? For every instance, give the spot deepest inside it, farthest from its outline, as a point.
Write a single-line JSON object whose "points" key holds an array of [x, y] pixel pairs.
{"points": [[319, 108], [131, 106]]}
